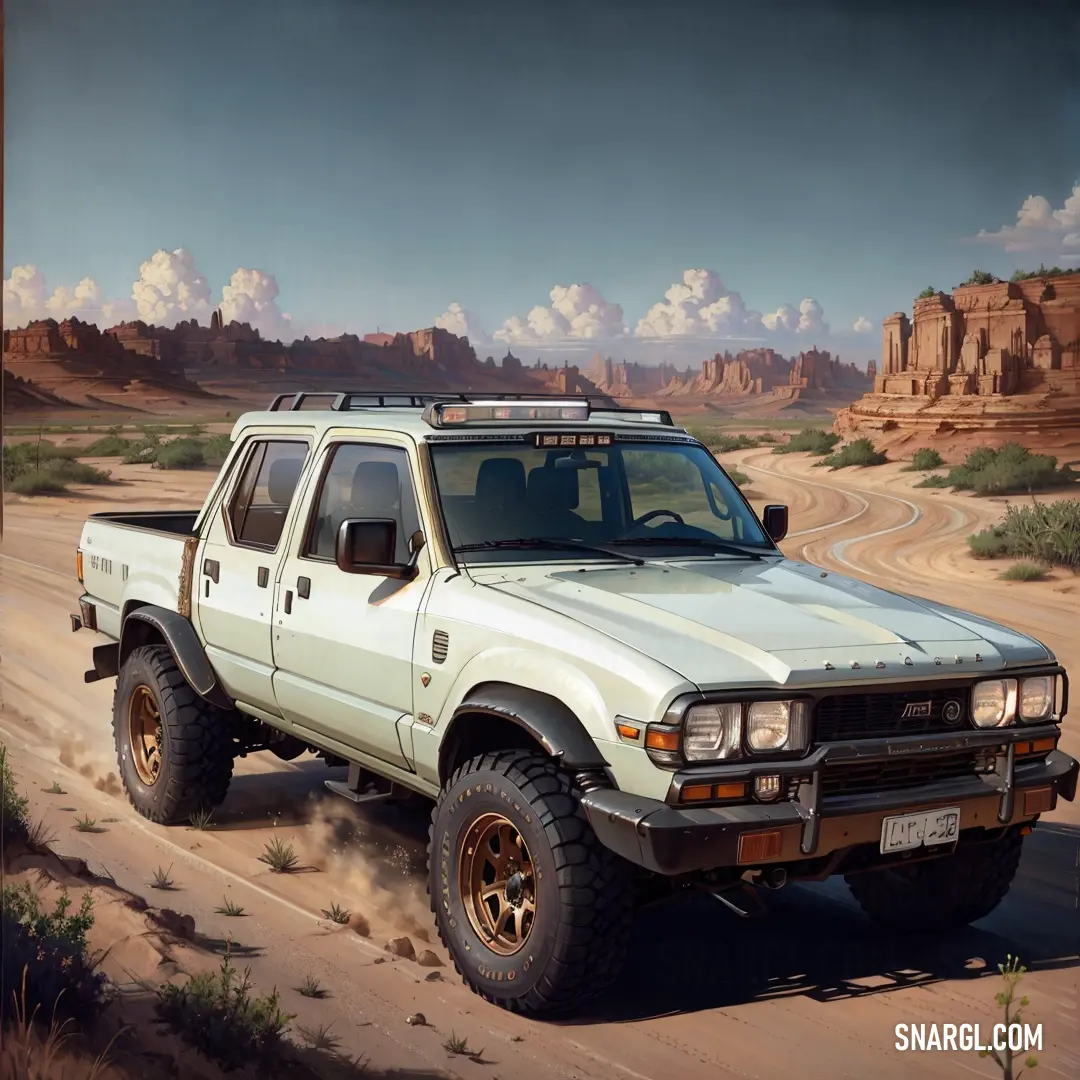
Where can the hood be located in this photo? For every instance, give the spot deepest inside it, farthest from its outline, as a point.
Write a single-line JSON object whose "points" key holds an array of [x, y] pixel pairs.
{"points": [[719, 621]]}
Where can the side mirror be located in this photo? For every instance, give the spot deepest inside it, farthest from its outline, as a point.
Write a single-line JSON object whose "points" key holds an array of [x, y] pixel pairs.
{"points": [[775, 520], [367, 546]]}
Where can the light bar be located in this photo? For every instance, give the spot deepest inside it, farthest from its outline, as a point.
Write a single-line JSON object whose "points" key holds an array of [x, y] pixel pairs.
{"points": [[446, 414]]}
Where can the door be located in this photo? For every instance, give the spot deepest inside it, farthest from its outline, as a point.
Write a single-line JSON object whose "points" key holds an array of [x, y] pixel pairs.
{"points": [[237, 567], [343, 642]]}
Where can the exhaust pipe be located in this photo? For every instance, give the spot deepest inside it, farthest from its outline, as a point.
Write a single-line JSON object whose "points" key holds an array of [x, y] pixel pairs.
{"points": [[775, 878]]}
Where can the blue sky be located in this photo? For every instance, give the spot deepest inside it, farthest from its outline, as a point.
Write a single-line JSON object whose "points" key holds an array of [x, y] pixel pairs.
{"points": [[380, 161]]}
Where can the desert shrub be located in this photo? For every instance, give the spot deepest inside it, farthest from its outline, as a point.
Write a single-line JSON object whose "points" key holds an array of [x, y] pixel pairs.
{"points": [[13, 806], [724, 444], [927, 293], [216, 449], [860, 452], [1011, 468], [1045, 533], [1024, 571], [740, 479], [51, 475], [766, 437], [20, 458], [49, 949], [1025, 275], [979, 277], [924, 460], [811, 441], [218, 1014], [111, 445], [935, 481], [143, 450], [184, 453], [989, 543]]}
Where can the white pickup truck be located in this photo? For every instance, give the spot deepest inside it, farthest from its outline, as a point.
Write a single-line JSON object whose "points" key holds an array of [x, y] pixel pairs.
{"points": [[562, 622]]}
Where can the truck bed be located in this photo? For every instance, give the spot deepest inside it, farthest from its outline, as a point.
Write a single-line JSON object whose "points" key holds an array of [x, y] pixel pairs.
{"points": [[173, 522], [135, 555]]}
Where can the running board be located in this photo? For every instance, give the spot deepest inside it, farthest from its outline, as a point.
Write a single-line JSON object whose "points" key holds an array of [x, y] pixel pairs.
{"points": [[364, 787]]}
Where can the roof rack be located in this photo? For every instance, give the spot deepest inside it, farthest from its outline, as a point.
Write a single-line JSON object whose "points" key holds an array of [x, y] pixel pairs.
{"points": [[348, 401]]}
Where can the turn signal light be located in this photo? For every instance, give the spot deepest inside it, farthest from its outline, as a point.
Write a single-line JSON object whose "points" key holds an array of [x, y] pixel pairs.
{"points": [[628, 731], [662, 740], [697, 792], [731, 791], [78, 565], [1043, 746], [758, 846]]}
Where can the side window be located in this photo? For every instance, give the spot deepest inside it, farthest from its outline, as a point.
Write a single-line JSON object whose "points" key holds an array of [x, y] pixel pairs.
{"points": [[260, 504], [363, 481]]}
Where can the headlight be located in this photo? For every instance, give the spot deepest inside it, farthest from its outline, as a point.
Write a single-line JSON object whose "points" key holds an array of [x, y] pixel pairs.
{"points": [[1036, 698], [777, 725], [713, 732], [993, 703]]}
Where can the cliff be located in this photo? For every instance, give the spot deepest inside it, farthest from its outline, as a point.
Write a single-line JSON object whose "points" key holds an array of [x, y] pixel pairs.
{"points": [[1003, 354]]}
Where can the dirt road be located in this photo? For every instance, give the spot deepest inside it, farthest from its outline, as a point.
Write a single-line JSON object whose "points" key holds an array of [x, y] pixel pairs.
{"points": [[811, 992]]}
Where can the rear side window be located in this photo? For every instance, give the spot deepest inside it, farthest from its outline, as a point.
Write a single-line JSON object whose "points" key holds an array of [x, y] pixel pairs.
{"points": [[261, 502]]}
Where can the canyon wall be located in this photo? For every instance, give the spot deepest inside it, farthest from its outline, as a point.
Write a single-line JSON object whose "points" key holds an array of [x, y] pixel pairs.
{"points": [[999, 354]]}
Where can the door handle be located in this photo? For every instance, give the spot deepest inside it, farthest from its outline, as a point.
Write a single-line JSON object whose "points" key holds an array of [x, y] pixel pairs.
{"points": [[288, 601], [264, 576], [303, 587], [212, 569]]}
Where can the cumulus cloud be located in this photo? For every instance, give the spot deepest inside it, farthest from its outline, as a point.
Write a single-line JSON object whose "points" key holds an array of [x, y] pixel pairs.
{"points": [[863, 325], [251, 297], [702, 306], [27, 298], [459, 320], [1041, 228], [577, 312], [170, 289]]}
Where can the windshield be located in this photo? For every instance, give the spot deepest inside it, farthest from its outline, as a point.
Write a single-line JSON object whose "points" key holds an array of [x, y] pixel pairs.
{"points": [[659, 498]]}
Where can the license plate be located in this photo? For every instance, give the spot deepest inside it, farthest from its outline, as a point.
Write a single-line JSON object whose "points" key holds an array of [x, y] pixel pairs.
{"points": [[927, 828]]}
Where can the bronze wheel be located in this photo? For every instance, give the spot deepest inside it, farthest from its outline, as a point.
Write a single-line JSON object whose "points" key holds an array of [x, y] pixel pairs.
{"points": [[497, 885], [145, 734]]}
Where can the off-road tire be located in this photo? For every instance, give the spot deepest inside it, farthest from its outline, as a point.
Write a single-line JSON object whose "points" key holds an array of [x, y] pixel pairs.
{"points": [[584, 898], [196, 740], [944, 893]]}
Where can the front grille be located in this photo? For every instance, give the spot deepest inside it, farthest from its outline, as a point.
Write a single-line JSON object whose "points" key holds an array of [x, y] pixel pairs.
{"points": [[861, 777], [871, 716]]}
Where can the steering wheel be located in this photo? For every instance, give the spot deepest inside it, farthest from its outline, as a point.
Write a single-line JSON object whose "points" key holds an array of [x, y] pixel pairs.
{"points": [[638, 522]]}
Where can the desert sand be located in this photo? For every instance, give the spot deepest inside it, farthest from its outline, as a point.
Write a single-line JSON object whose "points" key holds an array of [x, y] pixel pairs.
{"points": [[813, 991]]}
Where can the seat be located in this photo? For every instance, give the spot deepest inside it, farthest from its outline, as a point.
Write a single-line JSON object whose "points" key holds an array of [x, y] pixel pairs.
{"points": [[282, 479], [552, 496], [496, 512], [375, 492]]}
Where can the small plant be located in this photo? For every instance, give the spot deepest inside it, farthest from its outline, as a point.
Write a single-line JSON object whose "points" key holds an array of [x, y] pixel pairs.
{"points": [[87, 824], [311, 988], [337, 914], [738, 478], [924, 460], [218, 1014], [860, 452], [280, 857], [980, 277], [162, 880], [13, 806], [200, 819], [927, 293], [234, 911], [1024, 571], [934, 481], [1011, 973], [56, 789], [320, 1038], [457, 1044]]}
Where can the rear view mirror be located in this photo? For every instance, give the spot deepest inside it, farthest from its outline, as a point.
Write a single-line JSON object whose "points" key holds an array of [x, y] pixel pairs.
{"points": [[367, 546], [775, 520]]}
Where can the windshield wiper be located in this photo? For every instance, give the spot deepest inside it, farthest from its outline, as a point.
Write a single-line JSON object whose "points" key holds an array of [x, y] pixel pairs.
{"points": [[690, 541], [550, 542]]}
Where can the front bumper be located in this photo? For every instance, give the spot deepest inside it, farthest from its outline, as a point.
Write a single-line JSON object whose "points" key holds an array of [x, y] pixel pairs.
{"points": [[674, 840]]}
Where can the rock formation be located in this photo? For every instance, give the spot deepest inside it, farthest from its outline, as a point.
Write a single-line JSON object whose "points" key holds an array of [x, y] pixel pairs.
{"points": [[1004, 354], [75, 363]]}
